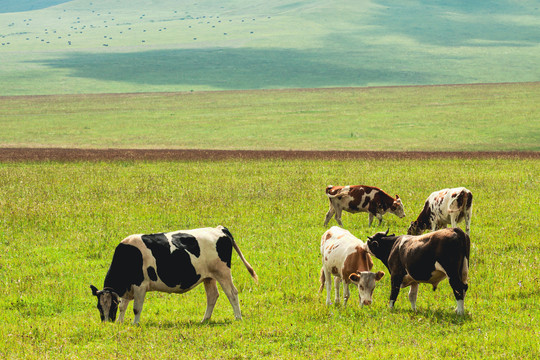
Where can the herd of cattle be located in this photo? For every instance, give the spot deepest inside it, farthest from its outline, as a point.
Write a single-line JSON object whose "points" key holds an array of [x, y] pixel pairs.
{"points": [[176, 262]]}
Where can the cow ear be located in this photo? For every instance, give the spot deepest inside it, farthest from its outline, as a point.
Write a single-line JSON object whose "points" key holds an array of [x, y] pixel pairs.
{"points": [[354, 277], [94, 290], [379, 275], [116, 298], [397, 197]]}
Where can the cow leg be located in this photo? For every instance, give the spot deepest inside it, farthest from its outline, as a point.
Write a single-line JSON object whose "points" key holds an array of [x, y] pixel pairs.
{"points": [[413, 293], [328, 284], [329, 215], [453, 219], [346, 293], [468, 214], [138, 301], [459, 289], [338, 217], [122, 307], [379, 217], [212, 294], [395, 281], [232, 294], [370, 219], [337, 285]]}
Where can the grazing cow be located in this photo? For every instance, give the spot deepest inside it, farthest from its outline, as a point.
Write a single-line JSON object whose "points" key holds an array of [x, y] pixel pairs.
{"points": [[428, 258], [172, 262], [361, 198], [345, 257], [443, 207]]}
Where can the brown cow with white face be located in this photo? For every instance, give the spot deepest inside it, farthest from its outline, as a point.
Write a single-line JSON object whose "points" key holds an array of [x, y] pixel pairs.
{"points": [[346, 258], [361, 198]]}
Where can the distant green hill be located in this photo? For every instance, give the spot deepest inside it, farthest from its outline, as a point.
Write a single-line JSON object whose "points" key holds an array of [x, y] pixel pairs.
{"points": [[9, 6], [96, 46]]}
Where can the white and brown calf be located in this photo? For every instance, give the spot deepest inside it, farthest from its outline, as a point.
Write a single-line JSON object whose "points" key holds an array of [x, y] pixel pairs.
{"points": [[443, 207], [173, 262], [361, 198], [345, 257]]}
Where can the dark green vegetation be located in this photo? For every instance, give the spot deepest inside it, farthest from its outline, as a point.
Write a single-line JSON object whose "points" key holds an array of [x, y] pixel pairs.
{"points": [[60, 222], [451, 118], [99, 46]]}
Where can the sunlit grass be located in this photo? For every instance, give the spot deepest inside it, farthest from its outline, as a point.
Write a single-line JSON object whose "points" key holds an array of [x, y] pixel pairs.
{"points": [[60, 222], [446, 118]]}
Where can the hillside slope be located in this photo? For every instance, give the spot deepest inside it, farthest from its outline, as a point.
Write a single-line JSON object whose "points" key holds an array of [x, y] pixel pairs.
{"points": [[94, 46]]}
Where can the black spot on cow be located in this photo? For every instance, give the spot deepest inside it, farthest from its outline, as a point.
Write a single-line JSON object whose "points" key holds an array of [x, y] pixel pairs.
{"points": [[224, 249], [353, 206], [173, 268], [187, 242], [366, 202], [152, 273], [460, 199], [126, 269]]}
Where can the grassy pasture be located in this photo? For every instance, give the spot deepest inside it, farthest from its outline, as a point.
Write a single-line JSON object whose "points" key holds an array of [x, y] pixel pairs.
{"points": [[103, 46], [60, 222], [453, 118]]}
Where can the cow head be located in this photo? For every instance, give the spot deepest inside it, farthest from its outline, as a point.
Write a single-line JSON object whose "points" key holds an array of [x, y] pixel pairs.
{"points": [[366, 281], [375, 244], [415, 228], [107, 303], [397, 208]]}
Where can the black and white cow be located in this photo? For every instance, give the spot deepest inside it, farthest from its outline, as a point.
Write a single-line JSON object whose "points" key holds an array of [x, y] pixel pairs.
{"points": [[428, 258], [173, 262], [443, 207]]}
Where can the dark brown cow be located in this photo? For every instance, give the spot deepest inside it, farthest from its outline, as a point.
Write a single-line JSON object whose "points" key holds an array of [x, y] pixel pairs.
{"points": [[428, 258], [361, 198]]}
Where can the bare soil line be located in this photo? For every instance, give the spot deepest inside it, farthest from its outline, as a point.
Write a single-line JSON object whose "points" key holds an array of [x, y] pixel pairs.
{"points": [[73, 154]]}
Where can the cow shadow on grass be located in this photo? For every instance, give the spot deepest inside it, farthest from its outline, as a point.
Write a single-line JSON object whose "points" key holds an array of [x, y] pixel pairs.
{"points": [[172, 324], [438, 316]]}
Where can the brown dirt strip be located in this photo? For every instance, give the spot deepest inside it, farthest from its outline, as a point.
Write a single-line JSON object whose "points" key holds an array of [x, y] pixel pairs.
{"points": [[63, 154]]}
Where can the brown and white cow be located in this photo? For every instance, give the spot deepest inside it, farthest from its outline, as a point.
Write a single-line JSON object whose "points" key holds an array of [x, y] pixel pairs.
{"points": [[173, 262], [443, 207], [361, 198], [428, 258], [345, 257]]}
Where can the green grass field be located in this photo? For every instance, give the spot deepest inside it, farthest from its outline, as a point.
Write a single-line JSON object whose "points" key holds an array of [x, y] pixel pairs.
{"points": [[102, 46], [453, 118], [60, 222]]}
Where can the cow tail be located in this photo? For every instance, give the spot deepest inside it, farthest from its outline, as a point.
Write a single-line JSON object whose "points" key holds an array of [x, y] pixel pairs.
{"points": [[465, 201], [322, 279], [466, 257], [235, 246], [463, 206]]}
